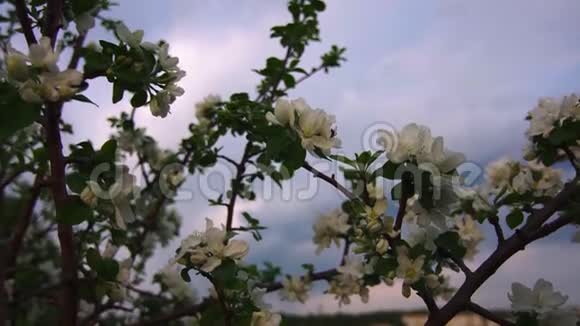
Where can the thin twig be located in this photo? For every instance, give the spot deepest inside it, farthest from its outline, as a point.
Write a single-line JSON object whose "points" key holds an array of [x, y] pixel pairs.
{"points": [[457, 261], [330, 180], [236, 185], [572, 158], [474, 307]]}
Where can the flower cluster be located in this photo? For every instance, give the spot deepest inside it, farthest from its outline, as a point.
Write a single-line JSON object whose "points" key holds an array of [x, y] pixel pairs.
{"points": [[550, 113], [165, 74], [543, 302], [415, 143], [330, 228], [315, 127], [506, 175], [37, 75], [295, 288], [119, 193], [206, 251], [470, 235], [554, 122], [204, 109], [349, 280]]}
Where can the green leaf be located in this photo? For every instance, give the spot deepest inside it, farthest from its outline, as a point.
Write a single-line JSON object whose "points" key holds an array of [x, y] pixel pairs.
{"points": [[225, 274], [515, 218], [74, 211], [185, 275], [451, 242], [15, 114], [107, 269], [343, 159], [84, 99], [388, 170], [93, 258], [107, 152], [76, 182], [385, 265], [139, 99], [118, 92]]}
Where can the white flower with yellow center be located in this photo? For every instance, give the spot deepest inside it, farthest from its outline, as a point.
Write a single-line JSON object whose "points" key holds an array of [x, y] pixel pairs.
{"points": [[295, 288], [329, 228], [265, 318], [409, 269]]}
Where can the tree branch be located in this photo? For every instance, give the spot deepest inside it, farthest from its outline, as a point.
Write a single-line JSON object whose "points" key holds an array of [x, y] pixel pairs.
{"points": [[10, 253], [54, 13], [498, 230], [506, 250], [474, 307], [457, 261], [428, 299], [65, 232], [330, 180], [22, 13], [551, 227]]}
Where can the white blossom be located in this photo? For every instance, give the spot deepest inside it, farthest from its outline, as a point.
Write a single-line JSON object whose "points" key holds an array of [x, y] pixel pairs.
{"points": [[409, 269], [541, 299], [16, 65], [550, 112], [345, 285], [204, 108], [523, 182], [424, 235], [120, 193], [499, 173], [265, 318], [355, 267], [414, 142], [207, 250], [470, 234], [314, 126], [377, 210], [88, 196], [295, 288], [167, 62], [133, 39], [42, 55], [329, 228]]}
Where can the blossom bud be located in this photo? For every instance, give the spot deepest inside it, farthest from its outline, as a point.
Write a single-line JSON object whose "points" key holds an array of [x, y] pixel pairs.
{"points": [[432, 281], [406, 290], [198, 257], [382, 246], [89, 197], [16, 67], [374, 226], [236, 249]]}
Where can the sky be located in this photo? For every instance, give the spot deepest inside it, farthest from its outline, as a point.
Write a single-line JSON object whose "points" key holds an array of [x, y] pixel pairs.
{"points": [[469, 70]]}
